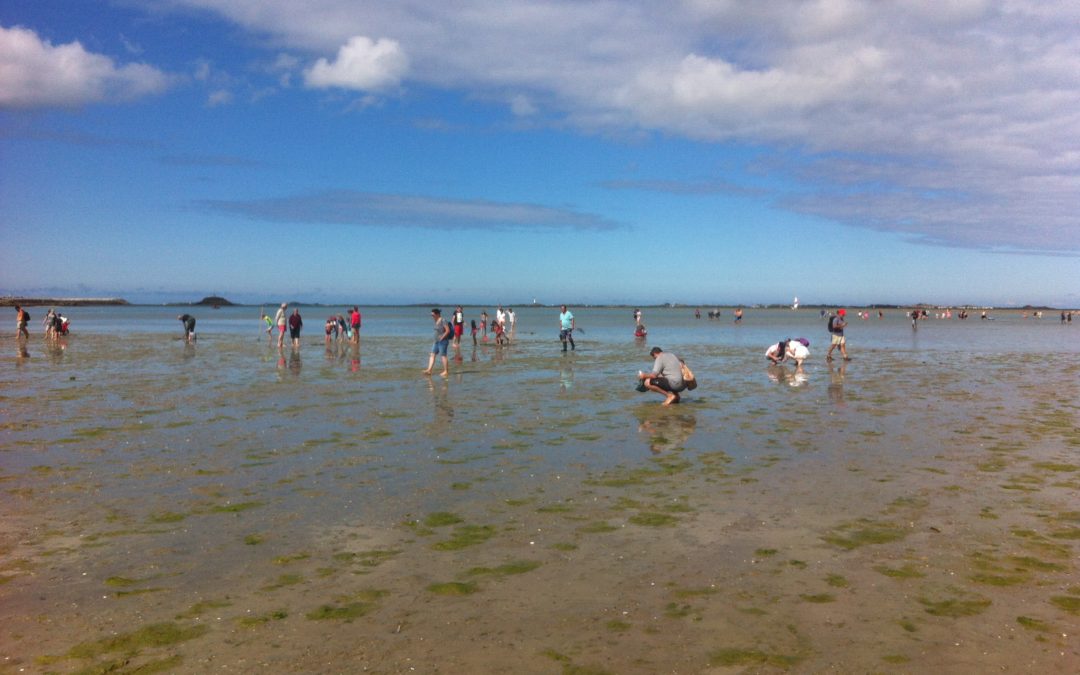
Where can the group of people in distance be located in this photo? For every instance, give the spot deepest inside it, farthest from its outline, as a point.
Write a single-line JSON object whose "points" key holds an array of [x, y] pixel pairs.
{"points": [[55, 323], [337, 326], [447, 332]]}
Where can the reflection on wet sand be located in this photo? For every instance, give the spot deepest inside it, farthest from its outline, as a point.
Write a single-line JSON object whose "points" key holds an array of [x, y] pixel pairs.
{"points": [[781, 374], [836, 383], [666, 428]]}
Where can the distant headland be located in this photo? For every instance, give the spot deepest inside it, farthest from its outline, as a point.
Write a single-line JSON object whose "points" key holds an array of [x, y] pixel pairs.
{"points": [[66, 302], [208, 301]]}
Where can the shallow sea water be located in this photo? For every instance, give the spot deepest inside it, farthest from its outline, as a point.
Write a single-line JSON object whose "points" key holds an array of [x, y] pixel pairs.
{"points": [[226, 506]]}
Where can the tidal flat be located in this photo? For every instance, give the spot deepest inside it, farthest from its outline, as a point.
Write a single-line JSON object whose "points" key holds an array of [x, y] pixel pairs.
{"points": [[226, 507]]}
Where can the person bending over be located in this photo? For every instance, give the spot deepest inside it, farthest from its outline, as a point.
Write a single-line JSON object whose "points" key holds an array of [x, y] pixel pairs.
{"points": [[665, 377]]}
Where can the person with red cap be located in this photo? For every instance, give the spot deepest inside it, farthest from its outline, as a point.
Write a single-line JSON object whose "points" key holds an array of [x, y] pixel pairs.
{"points": [[836, 329]]}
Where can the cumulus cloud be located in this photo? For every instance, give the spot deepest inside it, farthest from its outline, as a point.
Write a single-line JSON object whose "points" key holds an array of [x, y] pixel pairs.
{"points": [[346, 207], [35, 73], [967, 108], [361, 64]]}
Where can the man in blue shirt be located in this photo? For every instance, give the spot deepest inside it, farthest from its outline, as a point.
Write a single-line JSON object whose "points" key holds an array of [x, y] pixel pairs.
{"points": [[566, 328]]}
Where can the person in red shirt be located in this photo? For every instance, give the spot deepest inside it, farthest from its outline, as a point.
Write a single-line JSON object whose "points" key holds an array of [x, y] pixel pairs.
{"points": [[354, 323]]}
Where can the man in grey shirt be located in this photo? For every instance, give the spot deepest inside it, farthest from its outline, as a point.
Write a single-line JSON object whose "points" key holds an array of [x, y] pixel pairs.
{"points": [[666, 376]]}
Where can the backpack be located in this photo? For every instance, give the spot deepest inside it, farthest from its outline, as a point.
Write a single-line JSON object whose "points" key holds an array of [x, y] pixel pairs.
{"points": [[26, 316], [831, 320]]}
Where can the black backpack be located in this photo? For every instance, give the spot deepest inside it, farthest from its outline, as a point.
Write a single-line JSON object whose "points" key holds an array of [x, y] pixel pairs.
{"points": [[832, 319], [26, 316]]}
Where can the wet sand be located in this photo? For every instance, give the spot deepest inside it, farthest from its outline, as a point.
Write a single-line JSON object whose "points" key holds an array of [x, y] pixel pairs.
{"points": [[213, 507]]}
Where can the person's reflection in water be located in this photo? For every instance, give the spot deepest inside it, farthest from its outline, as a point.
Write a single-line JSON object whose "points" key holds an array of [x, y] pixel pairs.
{"points": [[22, 352], [295, 364], [189, 350], [441, 408], [836, 384], [54, 349], [781, 375], [566, 375], [666, 429], [354, 361]]}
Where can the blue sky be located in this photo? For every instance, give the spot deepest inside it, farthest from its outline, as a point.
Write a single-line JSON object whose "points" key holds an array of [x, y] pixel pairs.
{"points": [[844, 151]]}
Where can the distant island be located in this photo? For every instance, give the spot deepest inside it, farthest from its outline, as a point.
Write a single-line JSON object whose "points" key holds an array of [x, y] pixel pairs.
{"points": [[214, 301], [65, 302]]}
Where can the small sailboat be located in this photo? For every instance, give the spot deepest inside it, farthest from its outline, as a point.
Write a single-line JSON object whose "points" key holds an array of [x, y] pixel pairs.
{"points": [[795, 304]]}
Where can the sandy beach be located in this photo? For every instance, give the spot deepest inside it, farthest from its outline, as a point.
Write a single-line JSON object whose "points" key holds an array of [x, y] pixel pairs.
{"points": [[221, 507]]}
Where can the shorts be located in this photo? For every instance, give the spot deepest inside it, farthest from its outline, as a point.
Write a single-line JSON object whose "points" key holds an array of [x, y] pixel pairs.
{"points": [[565, 334], [281, 328], [837, 339], [439, 347], [294, 333], [459, 328], [663, 383]]}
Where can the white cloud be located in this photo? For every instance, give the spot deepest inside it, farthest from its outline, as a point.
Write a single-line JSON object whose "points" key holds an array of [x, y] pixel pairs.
{"points": [[35, 73], [347, 207], [219, 97], [952, 103], [361, 64]]}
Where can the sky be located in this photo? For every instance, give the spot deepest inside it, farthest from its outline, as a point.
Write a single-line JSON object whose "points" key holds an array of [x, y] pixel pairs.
{"points": [[577, 151]]}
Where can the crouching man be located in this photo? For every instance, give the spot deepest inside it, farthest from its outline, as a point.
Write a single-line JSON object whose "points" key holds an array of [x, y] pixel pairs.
{"points": [[665, 377]]}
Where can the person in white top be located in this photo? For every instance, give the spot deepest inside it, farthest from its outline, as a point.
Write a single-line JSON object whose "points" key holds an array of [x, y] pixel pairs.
{"points": [[788, 349]]}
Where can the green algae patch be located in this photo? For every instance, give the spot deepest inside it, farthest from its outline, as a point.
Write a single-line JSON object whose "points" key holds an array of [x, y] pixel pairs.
{"points": [[750, 657], [864, 533], [653, 519], [1033, 624], [283, 581], [235, 508], [765, 552], [564, 546], [1056, 466], [291, 558], [954, 607], [616, 626], [508, 569], [162, 634], [262, 619], [454, 588], [998, 579], [254, 539], [906, 572], [166, 517], [837, 581], [345, 612], [1068, 533], [819, 598], [897, 659], [120, 582], [1069, 603], [442, 519], [1026, 562], [676, 611], [372, 558], [465, 536]]}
